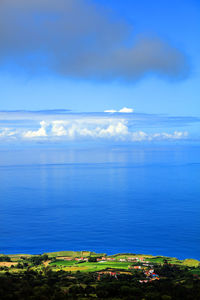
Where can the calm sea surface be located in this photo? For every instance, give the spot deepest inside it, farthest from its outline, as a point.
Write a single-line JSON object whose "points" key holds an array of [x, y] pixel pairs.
{"points": [[119, 199]]}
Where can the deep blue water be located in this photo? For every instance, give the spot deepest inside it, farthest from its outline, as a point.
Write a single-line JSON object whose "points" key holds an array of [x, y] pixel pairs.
{"points": [[115, 199]]}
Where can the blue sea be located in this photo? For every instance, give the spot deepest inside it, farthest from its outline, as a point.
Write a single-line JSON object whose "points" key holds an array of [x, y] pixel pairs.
{"points": [[112, 199]]}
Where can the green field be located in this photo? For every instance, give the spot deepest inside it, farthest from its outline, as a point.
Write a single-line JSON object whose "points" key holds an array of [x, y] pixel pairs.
{"points": [[69, 253], [89, 266]]}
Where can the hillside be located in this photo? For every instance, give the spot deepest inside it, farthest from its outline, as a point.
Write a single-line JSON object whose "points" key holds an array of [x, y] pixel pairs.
{"points": [[89, 275]]}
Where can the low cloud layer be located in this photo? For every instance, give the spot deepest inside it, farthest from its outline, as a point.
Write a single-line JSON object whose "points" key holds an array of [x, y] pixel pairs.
{"points": [[114, 130], [121, 127], [75, 38], [68, 131]]}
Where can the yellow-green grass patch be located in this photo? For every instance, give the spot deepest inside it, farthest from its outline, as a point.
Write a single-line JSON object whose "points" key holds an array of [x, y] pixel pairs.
{"points": [[191, 262]]}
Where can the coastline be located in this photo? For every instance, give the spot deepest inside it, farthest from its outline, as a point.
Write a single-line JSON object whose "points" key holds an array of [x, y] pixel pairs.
{"points": [[89, 275]]}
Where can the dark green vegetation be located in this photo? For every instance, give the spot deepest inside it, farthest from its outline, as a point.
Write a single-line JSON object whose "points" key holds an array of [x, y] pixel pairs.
{"points": [[4, 258], [87, 275]]}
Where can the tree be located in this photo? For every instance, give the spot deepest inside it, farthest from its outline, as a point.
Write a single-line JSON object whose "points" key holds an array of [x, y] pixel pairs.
{"points": [[92, 259], [5, 258]]}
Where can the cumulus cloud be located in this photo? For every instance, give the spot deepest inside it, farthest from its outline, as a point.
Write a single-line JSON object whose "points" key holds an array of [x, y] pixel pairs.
{"points": [[104, 129], [58, 128], [120, 127], [41, 132], [122, 110], [75, 38]]}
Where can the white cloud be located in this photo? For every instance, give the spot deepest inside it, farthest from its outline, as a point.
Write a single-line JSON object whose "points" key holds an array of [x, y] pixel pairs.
{"points": [[139, 136], [142, 136], [110, 111], [113, 129], [102, 128], [58, 128], [73, 126], [41, 132], [7, 132], [122, 110], [126, 110]]}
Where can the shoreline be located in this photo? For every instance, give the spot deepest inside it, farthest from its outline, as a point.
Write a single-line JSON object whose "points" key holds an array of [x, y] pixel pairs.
{"points": [[86, 253], [107, 254]]}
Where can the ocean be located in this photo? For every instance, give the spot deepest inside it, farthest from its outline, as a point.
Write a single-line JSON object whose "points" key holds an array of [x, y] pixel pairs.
{"points": [[107, 199]]}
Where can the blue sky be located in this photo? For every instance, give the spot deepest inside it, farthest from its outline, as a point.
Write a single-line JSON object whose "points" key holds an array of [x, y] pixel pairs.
{"points": [[92, 56]]}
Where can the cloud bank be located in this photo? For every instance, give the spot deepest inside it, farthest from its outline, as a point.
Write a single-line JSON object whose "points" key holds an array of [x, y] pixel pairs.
{"points": [[78, 39], [120, 127], [115, 130]]}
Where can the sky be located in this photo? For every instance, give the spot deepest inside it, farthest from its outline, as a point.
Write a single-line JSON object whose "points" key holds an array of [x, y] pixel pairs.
{"points": [[122, 70]]}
